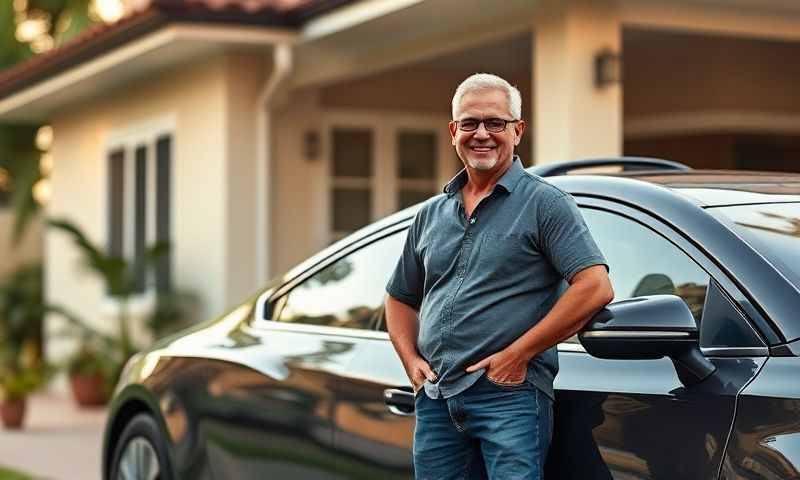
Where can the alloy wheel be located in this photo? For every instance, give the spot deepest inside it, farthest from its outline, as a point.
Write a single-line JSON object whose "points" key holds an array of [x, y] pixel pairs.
{"points": [[139, 461]]}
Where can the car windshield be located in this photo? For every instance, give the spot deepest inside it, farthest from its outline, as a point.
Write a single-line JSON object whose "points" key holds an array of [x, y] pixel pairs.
{"points": [[773, 230]]}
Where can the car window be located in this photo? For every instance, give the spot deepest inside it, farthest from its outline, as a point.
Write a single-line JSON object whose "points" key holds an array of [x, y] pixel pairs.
{"points": [[349, 292], [643, 262], [772, 229]]}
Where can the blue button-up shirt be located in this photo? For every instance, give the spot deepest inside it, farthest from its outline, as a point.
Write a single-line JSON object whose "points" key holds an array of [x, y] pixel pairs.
{"points": [[481, 282]]}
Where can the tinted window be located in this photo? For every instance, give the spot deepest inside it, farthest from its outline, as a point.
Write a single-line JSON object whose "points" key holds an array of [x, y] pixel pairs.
{"points": [[348, 293], [773, 230], [644, 263]]}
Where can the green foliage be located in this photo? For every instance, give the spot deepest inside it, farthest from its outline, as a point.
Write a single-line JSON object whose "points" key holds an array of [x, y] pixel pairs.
{"points": [[22, 307], [18, 155], [22, 310], [8, 474], [170, 314], [11, 51], [21, 160], [100, 353], [93, 358], [17, 384]]}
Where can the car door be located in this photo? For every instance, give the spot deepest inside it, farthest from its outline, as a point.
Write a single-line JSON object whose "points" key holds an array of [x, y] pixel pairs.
{"points": [[280, 386], [635, 419], [373, 412], [341, 302]]}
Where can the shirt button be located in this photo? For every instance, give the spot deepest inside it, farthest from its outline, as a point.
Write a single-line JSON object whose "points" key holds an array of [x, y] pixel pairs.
{"points": [[472, 220]]}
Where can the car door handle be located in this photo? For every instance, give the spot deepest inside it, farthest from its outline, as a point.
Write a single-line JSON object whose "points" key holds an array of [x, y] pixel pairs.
{"points": [[400, 402]]}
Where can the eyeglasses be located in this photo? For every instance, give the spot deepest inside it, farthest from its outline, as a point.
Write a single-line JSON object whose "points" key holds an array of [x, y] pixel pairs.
{"points": [[494, 125]]}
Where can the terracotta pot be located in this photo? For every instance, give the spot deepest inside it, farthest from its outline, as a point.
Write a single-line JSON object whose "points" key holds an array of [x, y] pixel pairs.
{"points": [[89, 390], [12, 413]]}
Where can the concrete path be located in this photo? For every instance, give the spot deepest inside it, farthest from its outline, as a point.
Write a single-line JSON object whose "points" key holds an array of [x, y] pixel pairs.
{"points": [[59, 441]]}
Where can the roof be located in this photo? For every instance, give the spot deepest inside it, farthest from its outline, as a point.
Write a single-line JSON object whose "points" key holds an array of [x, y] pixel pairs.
{"points": [[153, 15]]}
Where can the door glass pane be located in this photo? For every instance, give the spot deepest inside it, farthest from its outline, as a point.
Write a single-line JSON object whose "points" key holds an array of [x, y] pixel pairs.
{"points": [[351, 209], [140, 218], [348, 293], [416, 154], [116, 205], [645, 263], [164, 210], [352, 153]]}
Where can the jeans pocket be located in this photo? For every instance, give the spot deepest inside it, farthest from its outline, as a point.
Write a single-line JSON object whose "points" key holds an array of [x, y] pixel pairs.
{"points": [[522, 383]]}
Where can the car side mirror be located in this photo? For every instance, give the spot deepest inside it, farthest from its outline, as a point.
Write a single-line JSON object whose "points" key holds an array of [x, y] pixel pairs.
{"points": [[649, 327]]}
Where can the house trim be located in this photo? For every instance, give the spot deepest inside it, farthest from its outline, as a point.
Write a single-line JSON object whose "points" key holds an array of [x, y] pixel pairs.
{"points": [[196, 38], [780, 23], [648, 126]]}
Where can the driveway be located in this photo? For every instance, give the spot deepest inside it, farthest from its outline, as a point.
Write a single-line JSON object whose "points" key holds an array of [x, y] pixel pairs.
{"points": [[59, 442]]}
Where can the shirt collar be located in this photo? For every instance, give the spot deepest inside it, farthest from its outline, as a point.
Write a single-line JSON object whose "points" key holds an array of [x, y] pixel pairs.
{"points": [[508, 181]]}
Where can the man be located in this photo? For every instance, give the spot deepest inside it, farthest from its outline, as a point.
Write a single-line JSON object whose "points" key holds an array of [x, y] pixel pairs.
{"points": [[501, 268]]}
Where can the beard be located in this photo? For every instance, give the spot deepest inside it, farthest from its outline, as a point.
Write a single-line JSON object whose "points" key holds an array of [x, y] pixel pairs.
{"points": [[482, 164]]}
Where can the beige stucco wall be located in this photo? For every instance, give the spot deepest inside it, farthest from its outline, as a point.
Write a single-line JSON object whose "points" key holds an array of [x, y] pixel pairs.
{"points": [[245, 77], [297, 186], [211, 103]]}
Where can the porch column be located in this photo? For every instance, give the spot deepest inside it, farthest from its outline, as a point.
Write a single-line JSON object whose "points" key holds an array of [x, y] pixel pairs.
{"points": [[573, 118]]}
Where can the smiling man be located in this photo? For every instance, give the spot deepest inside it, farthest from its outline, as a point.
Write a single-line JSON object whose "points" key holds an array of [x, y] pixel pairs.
{"points": [[495, 272]]}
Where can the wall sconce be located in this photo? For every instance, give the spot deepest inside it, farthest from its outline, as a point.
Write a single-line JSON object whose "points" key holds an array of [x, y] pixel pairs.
{"points": [[311, 145], [607, 68]]}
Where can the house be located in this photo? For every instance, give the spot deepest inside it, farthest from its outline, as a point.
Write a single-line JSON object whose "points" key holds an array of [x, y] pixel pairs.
{"points": [[252, 133]]}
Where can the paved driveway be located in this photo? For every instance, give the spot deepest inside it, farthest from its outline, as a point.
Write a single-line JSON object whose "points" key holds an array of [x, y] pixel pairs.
{"points": [[59, 442]]}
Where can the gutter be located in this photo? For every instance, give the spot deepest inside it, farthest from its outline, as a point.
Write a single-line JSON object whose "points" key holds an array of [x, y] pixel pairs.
{"points": [[282, 62]]}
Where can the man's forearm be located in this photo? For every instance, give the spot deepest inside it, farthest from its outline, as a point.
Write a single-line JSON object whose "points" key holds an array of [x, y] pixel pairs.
{"points": [[570, 313], [403, 326]]}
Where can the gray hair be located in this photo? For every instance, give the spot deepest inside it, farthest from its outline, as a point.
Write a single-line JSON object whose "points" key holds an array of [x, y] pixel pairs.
{"points": [[488, 81]]}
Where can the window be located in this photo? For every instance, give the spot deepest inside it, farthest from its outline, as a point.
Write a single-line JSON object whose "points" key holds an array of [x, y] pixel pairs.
{"points": [[379, 163], [139, 205], [644, 263], [348, 293], [352, 180], [416, 167]]}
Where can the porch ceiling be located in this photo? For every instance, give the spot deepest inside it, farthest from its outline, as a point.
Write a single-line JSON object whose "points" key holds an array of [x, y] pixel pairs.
{"points": [[421, 31]]}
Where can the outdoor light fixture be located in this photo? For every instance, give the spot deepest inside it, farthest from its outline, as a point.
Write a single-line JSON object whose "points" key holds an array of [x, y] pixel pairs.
{"points": [[311, 145], [607, 68]]}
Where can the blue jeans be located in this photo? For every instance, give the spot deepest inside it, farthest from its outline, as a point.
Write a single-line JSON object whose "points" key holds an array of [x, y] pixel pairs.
{"points": [[489, 431]]}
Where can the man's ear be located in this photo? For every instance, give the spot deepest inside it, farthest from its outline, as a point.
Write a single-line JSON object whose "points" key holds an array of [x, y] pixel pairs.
{"points": [[519, 129], [453, 127]]}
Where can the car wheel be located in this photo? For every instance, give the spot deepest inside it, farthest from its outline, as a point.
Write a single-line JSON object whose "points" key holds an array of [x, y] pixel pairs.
{"points": [[140, 453]]}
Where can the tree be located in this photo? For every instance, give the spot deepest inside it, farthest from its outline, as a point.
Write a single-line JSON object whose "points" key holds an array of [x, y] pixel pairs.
{"points": [[28, 27]]}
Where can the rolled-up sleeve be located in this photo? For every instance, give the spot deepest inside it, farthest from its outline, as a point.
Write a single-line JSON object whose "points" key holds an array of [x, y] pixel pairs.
{"points": [[565, 239], [407, 280]]}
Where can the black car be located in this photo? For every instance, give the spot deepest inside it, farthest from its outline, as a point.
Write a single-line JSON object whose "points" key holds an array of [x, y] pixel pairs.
{"points": [[691, 373]]}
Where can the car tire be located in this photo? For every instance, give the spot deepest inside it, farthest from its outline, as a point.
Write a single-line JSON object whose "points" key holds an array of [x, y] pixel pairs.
{"points": [[141, 453]]}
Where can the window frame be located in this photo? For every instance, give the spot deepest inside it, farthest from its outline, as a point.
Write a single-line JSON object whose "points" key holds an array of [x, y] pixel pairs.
{"points": [[708, 265], [128, 140], [277, 298], [646, 220], [385, 183]]}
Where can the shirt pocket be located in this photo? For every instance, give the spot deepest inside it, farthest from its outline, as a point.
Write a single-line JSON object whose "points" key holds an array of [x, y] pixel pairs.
{"points": [[502, 254]]}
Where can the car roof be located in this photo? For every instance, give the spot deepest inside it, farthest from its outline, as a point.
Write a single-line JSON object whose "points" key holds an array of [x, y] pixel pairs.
{"points": [[704, 188], [711, 188]]}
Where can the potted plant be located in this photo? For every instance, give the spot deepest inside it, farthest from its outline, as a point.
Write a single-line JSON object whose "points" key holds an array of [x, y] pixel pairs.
{"points": [[22, 368], [15, 386], [92, 371], [98, 360]]}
